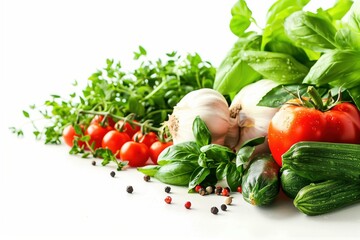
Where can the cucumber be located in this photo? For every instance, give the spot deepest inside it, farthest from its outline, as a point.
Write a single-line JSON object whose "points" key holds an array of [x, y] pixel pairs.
{"points": [[319, 161], [291, 183], [260, 182], [324, 197]]}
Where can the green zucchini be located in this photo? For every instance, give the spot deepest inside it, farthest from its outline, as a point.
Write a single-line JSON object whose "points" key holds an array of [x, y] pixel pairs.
{"points": [[260, 182], [327, 196], [319, 161], [291, 183]]}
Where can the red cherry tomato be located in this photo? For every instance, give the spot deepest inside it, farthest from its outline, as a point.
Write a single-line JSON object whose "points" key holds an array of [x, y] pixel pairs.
{"points": [[127, 128], [294, 123], [148, 139], [156, 148], [136, 153], [114, 140], [96, 133], [69, 135], [99, 118]]}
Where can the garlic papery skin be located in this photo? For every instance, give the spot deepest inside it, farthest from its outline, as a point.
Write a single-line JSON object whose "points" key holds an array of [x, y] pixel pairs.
{"points": [[212, 107], [253, 120]]}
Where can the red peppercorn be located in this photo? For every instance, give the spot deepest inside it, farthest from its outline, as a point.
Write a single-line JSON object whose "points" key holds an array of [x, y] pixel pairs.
{"points": [[168, 199], [239, 189], [225, 192], [187, 205], [197, 188]]}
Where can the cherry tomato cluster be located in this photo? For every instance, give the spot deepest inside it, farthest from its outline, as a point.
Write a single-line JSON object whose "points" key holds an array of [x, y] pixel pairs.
{"points": [[126, 141]]}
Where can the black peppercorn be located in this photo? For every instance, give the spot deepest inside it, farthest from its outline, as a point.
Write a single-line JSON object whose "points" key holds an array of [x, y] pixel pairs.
{"points": [[214, 210], [93, 163], [218, 190], [146, 178], [112, 173], [129, 189], [167, 189], [223, 207]]}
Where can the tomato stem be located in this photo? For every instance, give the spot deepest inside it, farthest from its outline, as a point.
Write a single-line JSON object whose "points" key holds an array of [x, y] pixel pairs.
{"points": [[315, 98]]}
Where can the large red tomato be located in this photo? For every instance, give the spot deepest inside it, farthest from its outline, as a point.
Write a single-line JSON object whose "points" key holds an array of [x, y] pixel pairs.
{"points": [[294, 123]]}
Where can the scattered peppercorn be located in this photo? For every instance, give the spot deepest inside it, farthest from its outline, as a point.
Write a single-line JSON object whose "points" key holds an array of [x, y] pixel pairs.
{"points": [[129, 189], [112, 173], [218, 190], [223, 207], [228, 200], [146, 178], [209, 189], [167, 189], [187, 205], [225, 192], [93, 163], [214, 210], [202, 191], [197, 188], [168, 199]]}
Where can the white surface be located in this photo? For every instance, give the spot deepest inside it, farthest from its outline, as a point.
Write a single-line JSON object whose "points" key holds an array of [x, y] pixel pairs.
{"points": [[48, 194]]}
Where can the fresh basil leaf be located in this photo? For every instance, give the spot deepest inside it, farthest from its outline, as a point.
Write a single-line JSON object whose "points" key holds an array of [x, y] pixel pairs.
{"points": [[198, 175], [233, 73], [340, 8], [202, 161], [276, 15], [233, 177], [253, 142], [243, 157], [355, 95], [221, 171], [282, 46], [347, 39], [338, 68], [149, 170], [176, 173], [310, 31], [241, 18], [218, 152], [279, 67], [354, 18], [281, 94], [201, 132], [185, 152]]}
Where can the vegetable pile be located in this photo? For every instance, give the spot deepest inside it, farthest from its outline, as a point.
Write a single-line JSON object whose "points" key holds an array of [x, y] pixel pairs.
{"points": [[280, 113]]}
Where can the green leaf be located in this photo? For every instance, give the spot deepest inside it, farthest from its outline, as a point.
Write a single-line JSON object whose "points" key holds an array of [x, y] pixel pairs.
{"points": [[221, 171], [340, 8], [354, 18], [243, 157], [338, 68], [185, 152], [355, 95], [202, 161], [347, 39], [26, 114], [253, 142], [176, 173], [198, 176], [310, 31], [201, 132], [241, 18], [218, 152], [233, 73], [149, 170], [233, 177], [279, 67], [136, 106]]}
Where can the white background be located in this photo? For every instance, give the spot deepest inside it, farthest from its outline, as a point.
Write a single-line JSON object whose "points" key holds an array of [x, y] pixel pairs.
{"points": [[48, 194]]}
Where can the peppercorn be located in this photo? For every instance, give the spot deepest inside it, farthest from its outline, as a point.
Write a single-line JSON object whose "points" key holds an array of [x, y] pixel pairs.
{"points": [[218, 190], [228, 200], [93, 163], [239, 189], [202, 191], [214, 210], [223, 207], [209, 189], [168, 199], [197, 188], [167, 189], [187, 205], [225, 192], [112, 173], [146, 178], [129, 189]]}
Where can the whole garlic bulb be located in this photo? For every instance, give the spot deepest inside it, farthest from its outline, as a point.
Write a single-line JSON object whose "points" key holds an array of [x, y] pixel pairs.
{"points": [[253, 120], [212, 108]]}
